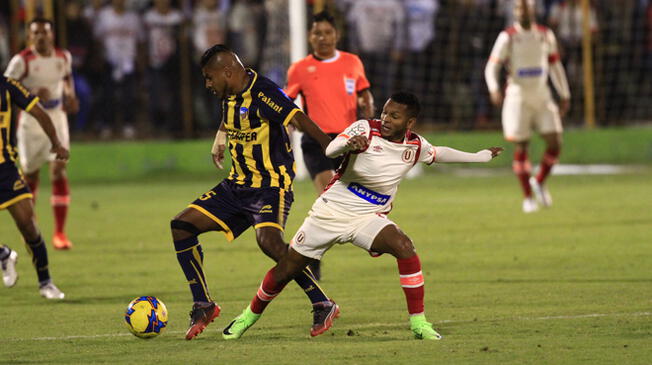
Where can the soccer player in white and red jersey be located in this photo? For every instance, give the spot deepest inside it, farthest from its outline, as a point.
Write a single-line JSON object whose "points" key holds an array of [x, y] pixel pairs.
{"points": [[354, 208], [529, 52], [47, 72], [333, 87]]}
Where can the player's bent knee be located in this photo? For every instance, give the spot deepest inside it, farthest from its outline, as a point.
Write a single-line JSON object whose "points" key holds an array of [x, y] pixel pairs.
{"points": [[404, 247]]}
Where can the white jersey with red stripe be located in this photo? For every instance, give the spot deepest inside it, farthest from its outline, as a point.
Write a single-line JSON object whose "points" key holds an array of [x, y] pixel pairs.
{"points": [[367, 181], [527, 54], [36, 71]]}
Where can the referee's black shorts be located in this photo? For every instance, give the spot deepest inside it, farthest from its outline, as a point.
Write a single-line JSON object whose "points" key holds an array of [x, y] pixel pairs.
{"points": [[314, 157]]}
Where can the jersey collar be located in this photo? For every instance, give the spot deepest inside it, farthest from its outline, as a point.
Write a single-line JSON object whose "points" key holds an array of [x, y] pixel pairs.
{"points": [[328, 60]]}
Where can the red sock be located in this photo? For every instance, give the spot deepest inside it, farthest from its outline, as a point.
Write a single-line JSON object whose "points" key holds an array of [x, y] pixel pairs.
{"points": [[60, 200], [267, 291], [33, 187], [522, 168], [550, 158], [412, 283]]}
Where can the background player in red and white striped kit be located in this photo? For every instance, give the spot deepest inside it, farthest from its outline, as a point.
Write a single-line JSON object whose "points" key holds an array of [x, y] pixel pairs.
{"points": [[47, 72], [529, 52]]}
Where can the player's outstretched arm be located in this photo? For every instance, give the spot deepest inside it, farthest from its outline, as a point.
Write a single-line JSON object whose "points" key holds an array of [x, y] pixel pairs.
{"points": [[219, 146], [447, 154], [46, 123], [306, 125]]}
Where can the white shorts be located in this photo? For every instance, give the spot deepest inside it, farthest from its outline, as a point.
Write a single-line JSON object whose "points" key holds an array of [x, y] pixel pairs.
{"points": [[325, 227], [521, 118], [34, 145]]}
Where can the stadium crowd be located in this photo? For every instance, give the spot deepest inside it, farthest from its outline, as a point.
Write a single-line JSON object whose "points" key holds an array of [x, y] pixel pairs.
{"points": [[133, 52]]}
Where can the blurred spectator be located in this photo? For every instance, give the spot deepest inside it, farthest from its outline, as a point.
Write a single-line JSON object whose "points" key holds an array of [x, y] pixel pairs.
{"points": [[121, 34], [80, 43], [418, 73], [209, 28], [565, 19], [246, 24], [615, 67], [378, 28], [276, 48], [163, 25], [5, 52]]}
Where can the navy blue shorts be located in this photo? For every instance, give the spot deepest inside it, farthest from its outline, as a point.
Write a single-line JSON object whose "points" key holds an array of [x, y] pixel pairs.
{"points": [[314, 157], [236, 208], [13, 187]]}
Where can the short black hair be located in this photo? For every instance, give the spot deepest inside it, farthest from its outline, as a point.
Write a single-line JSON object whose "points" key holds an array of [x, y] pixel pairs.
{"points": [[408, 99], [323, 16], [209, 53], [41, 20]]}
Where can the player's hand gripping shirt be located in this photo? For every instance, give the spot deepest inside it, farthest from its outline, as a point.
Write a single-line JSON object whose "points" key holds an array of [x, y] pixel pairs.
{"points": [[329, 89], [256, 121], [38, 72], [528, 56], [368, 181], [11, 91]]}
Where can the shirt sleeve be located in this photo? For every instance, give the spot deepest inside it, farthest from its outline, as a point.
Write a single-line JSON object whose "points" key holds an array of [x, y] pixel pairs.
{"points": [[428, 152], [500, 51], [273, 103], [20, 96], [68, 56], [358, 128], [338, 145], [294, 85], [16, 68], [362, 82]]}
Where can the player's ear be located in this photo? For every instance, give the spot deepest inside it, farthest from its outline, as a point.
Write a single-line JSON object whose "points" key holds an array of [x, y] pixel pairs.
{"points": [[411, 122], [228, 73]]}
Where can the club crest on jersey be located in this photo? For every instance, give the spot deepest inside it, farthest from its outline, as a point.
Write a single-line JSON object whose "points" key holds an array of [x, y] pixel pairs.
{"points": [[349, 85], [407, 155], [311, 69], [244, 113]]}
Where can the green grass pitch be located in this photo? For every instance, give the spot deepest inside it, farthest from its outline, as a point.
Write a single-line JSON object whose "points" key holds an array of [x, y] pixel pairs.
{"points": [[568, 285]]}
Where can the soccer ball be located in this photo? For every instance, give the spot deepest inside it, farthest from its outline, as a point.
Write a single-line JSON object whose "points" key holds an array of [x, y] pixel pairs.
{"points": [[146, 317]]}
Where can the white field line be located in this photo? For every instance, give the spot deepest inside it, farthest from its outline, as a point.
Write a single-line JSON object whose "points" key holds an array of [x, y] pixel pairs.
{"points": [[369, 325]]}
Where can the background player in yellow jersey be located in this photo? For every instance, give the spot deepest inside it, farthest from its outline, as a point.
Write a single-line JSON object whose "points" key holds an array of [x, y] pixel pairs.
{"points": [[15, 195], [258, 190]]}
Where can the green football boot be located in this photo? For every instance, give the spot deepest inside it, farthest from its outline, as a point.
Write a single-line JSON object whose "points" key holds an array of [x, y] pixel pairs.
{"points": [[240, 324], [422, 329]]}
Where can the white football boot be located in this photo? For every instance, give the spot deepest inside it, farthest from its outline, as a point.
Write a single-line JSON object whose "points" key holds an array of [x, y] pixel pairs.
{"points": [[50, 291], [9, 273], [530, 205], [541, 193]]}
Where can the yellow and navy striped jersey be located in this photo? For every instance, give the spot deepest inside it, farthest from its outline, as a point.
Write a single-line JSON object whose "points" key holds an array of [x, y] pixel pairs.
{"points": [[256, 121], [11, 91]]}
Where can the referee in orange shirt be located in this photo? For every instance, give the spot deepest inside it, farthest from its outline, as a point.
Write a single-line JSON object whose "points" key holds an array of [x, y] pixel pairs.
{"points": [[333, 85]]}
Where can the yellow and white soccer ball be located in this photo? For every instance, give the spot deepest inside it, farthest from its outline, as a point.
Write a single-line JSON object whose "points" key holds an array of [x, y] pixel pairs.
{"points": [[146, 317]]}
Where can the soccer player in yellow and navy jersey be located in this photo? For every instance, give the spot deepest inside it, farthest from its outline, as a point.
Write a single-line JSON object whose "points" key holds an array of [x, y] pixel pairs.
{"points": [[258, 189], [15, 195]]}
